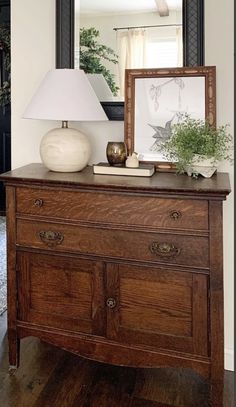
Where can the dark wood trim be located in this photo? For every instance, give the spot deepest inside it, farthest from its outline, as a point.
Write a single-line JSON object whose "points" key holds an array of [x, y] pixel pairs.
{"points": [[164, 185], [101, 350], [65, 33], [13, 338], [216, 303], [4, 3], [193, 32], [193, 39], [114, 110]]}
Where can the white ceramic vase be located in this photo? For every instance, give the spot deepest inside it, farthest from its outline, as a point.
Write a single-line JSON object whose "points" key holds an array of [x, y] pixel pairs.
{"points": [[203, 166]]}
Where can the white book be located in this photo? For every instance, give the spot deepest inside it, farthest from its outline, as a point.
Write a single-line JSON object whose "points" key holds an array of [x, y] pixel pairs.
{"points": [[144, 170]]}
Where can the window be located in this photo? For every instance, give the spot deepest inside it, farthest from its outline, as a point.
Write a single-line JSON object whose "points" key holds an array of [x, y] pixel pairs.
{"points": [[162, 53]]}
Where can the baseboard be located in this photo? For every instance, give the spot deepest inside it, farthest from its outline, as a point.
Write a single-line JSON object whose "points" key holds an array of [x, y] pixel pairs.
{"points": [[229, 359]]}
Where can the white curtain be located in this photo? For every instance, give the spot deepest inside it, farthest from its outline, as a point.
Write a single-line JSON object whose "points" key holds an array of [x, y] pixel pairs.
{"points": [[131, 49], [179, 40]]}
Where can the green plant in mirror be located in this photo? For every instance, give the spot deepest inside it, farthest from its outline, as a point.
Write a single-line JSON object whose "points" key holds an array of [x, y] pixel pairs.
{"points": [[191, 137], [93, 54]]}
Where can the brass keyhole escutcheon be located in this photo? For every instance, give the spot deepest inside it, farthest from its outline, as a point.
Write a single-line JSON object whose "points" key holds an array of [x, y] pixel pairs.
{"points": [[111, 303], [164, 249], [50, 238]]}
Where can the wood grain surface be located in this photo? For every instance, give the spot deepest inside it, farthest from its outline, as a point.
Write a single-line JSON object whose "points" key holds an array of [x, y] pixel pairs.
{"points": [[159, 183], [119, 270], [114, 209], [51, 377], [121, 244]]}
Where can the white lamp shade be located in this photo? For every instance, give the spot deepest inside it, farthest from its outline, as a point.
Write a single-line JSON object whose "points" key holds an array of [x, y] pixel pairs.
{"points": [[65, 95]]}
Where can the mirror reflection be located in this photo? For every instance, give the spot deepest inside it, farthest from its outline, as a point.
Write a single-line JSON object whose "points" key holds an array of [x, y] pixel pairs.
{"points": [[112, 36]]}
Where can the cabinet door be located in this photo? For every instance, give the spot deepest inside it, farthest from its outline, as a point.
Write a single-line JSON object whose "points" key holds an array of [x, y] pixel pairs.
{"points": [[61, 292], [159, 308]]}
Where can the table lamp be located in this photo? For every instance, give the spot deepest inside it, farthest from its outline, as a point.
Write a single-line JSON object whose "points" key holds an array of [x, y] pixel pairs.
{"points": [[65, 95]]}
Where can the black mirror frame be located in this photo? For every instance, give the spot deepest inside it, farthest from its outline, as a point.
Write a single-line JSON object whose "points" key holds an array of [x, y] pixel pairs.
{"points": [[193, 42]]}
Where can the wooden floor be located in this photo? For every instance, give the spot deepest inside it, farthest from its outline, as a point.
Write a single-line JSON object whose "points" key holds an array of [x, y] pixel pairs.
{"points": [[51, 377]]}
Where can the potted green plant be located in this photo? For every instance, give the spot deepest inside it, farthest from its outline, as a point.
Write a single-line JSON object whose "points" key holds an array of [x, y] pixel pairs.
{"points": [[196, 147], [93, 54]]}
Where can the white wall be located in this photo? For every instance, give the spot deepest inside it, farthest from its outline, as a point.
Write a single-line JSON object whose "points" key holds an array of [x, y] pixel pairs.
{"points": [[219, 29], [33, 54]]}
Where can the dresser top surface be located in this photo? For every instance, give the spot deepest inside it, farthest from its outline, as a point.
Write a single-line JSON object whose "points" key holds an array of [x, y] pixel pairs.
{"points": [[160, 182]]}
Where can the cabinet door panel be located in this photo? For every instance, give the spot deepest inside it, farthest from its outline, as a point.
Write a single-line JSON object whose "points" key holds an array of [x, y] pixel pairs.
{"points": [[60, 292], [159, 309]]}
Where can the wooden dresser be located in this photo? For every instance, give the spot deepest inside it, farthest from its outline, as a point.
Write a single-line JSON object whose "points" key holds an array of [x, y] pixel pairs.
{"points": [[123, 270]]}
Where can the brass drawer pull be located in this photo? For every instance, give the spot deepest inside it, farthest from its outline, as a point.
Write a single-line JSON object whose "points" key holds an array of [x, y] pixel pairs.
{"points": [[164, 249], [111, 303], [38, 203], [51, 238], [175, 215]]}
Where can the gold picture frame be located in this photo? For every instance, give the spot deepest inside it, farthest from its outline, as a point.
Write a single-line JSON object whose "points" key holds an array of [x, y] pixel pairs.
{"points": [[154, 98]]}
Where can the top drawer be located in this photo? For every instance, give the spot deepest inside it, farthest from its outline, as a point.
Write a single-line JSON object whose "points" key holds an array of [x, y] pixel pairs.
{"points": [[114, 209]]}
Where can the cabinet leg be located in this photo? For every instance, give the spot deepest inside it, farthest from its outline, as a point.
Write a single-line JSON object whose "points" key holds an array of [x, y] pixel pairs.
{"points": [[216, 393], [14, 352]]}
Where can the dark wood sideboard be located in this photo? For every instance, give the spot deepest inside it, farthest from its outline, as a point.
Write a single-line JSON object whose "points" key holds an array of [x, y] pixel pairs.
{"points": [[123, 270]]}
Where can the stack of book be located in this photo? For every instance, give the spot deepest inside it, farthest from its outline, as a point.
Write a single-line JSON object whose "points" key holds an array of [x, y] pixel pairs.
{"points": [[144, 170]]}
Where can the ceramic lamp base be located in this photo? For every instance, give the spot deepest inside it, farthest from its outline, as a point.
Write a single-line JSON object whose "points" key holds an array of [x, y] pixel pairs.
{"points": [[65, 150]]}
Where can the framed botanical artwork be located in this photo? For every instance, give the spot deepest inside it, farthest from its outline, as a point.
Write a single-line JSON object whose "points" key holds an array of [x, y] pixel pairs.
{"points": [[156, 99]]}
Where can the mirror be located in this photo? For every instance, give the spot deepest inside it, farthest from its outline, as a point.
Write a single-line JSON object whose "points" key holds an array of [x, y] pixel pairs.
{"points": [[71, 15], [113, 36]]}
